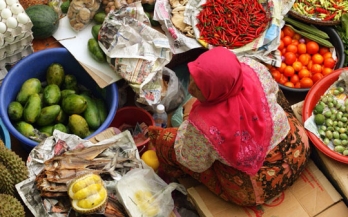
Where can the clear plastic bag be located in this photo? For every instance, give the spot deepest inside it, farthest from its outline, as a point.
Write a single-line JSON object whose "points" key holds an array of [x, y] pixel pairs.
{"points": [[144, 193], [81, 13]]}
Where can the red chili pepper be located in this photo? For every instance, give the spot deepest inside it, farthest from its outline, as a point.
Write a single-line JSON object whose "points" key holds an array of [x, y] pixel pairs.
{"points": [[321, 10], [330, 17]]}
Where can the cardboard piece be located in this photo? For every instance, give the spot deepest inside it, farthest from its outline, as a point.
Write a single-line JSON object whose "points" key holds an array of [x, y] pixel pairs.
{"points": [[312, 195]]}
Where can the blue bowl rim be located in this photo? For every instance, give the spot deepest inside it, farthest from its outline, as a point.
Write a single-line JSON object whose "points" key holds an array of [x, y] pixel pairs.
{"points": [[6, 134], [29, 143]]}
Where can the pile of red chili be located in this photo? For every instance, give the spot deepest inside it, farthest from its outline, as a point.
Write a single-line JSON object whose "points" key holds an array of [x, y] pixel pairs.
{"points": [[231, 23]]}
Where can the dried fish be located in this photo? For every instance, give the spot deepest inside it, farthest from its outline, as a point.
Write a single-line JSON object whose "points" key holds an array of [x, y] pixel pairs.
{"points": [[88, 153]]}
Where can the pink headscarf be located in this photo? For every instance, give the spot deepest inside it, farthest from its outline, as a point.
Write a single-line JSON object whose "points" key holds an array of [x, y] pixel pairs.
{"points": [[235, 116]]}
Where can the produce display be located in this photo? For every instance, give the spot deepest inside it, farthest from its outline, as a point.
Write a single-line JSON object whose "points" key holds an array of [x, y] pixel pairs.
{"points": [[306, 55], [80, 178], [60, 103], [325, 10], [331, 118], [246, 22]]}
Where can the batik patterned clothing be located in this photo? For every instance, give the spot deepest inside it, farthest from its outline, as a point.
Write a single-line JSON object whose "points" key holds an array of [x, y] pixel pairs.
{"points": [[282, 166]]}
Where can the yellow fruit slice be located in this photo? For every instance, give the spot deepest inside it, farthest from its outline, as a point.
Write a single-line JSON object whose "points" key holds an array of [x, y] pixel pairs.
{"points": [[88, 194]]}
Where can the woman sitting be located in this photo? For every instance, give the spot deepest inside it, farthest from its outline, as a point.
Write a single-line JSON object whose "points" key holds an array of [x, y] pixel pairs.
{"points": [[237, 140]]}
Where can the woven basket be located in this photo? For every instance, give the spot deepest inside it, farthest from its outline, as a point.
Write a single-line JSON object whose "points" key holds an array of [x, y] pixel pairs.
{"points": [[312, 21]]}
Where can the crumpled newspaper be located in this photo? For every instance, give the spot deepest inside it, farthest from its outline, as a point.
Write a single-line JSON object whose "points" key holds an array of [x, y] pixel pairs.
{"points": [[136, 51], [309, 124], [51, 207], [264, 48]]}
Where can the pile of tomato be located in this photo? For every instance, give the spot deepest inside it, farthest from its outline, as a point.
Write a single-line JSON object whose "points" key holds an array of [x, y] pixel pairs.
{"points": [[304, 62]]}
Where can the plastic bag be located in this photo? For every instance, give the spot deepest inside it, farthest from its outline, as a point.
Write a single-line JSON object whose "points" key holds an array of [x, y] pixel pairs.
{"points": [[172, 95], [144, 193]]}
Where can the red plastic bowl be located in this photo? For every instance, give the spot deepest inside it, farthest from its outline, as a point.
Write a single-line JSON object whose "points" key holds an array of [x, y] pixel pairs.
{"points": [[312, 98], [132, 115]]}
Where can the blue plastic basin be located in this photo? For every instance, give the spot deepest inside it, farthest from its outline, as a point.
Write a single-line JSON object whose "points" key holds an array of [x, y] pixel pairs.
{"points": [[35, 65]]}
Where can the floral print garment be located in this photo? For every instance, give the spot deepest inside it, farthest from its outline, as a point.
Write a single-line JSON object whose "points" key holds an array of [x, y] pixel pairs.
{"points": [[194, 150]]}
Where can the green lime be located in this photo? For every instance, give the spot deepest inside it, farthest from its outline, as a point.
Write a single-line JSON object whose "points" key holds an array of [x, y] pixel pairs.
{"points": [[318, 109], [319, 119]]}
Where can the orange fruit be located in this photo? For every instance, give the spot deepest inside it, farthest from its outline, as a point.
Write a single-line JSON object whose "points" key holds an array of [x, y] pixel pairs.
{"points": [[281, 45], [317, 58], [323, 50], [291, 48], [326, 71], [290, 58], [151, 159], [327, 55], [316, 68], [288, 31], [304, 73], [304, 59], [289, 84], [289, 71], [297, 65], [276, 75], [306, 82], [282, 67], [287, 40], [301, 48], [317, 76], [312, 47], [329, 62]]}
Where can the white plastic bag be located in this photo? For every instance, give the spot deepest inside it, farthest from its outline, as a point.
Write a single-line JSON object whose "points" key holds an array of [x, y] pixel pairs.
{"points": [[144, 193]]}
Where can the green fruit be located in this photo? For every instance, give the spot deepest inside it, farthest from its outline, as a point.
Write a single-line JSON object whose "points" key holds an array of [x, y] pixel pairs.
{"points": [[13, 163], [25, 129], [65, 6], [62, 117], [15, 111], [48, 115], [70, 83], [96, 52], [95, 31], [318, 109], [319, 119], [51, 94], [66, 92], [55, 74], [60, 127], [45, 20], [99, 17], [91, 113], [47, 130], [102, 110], [78, 126], [32, 108], [11, 206], [74, 104], [7, 185], [30, 86]]}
